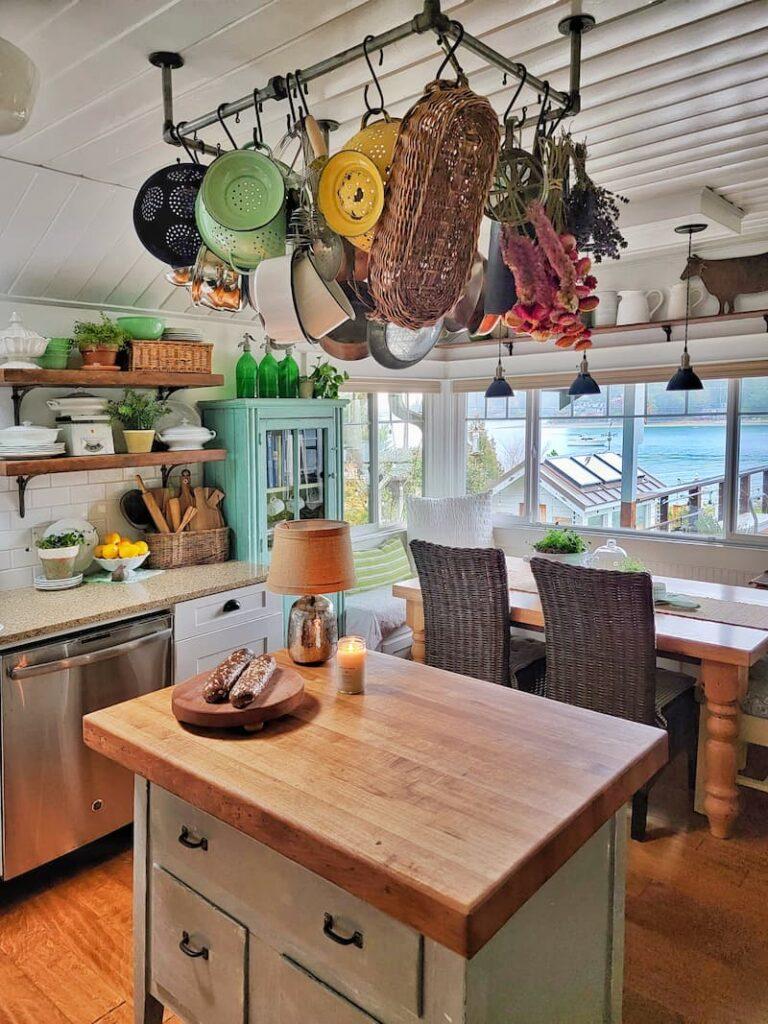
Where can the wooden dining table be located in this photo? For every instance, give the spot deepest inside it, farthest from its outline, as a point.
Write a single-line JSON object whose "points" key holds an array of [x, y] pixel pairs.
{"points": [[724, 653]]}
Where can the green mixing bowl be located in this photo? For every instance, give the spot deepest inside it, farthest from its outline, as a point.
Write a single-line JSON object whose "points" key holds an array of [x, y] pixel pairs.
{"points": [[243, 250], [142, 328]]}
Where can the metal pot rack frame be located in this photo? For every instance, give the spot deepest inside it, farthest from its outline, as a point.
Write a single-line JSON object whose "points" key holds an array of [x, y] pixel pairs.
{"points": [[557, 104]]}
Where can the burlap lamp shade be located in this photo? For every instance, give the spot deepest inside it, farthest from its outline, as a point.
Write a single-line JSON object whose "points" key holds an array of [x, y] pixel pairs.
{"points": [[311, 556]]}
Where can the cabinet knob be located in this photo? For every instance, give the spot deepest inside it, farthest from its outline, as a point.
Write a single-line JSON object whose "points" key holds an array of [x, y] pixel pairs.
{"points": [[356, 939], [188, 950], [192, 844], [231, 605]]}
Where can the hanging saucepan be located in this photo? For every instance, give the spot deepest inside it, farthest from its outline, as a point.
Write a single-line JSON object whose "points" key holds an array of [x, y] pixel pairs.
{"points": [[164, 213], [397, 348], [216, 284], [349, 341], [463, 314], [294, 301]]}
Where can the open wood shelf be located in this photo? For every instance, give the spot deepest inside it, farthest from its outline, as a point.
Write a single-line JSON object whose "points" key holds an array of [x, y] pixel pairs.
{"points": [[25, 469], [38, 378], [654, 325]]}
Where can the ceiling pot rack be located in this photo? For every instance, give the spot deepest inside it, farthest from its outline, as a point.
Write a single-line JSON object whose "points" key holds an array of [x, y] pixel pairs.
{"points": [[430, 19]]}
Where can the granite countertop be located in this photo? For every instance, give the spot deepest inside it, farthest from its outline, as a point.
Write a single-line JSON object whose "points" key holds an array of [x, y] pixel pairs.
{"points": [[28, 614]]}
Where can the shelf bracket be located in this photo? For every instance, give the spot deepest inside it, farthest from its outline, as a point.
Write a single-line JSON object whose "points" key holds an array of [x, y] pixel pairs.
{"points": [[18, 391], [21, 483], [667, 328], [765, 318], [165, 391]]}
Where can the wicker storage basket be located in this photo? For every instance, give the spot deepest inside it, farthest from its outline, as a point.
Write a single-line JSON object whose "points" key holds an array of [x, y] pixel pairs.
{"points": [[174, 356], [426, 237], [193, 547]]}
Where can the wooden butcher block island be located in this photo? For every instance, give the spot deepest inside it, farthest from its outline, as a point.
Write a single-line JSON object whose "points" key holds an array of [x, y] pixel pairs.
{"points": [[439, 849]]}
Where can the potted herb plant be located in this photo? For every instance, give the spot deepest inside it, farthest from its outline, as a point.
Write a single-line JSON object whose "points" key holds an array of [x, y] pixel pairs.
{"points": [[326, 379], [58, 553], [306, 387], [100, 341], [562, 545], [137, 413]]}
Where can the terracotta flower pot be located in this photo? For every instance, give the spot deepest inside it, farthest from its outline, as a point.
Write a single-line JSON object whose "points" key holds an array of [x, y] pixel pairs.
{"points": [[99, 356]]}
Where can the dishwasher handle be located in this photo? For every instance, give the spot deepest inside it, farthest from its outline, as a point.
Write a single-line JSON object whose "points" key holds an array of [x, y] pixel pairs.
{"points": [[46, 667]]}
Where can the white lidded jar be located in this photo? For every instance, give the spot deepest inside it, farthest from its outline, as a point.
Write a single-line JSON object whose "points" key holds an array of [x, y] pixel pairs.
{"points": [[608, 556]]}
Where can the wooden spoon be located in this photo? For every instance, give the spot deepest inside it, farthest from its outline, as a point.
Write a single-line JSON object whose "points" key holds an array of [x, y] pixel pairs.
{"points": [[185, 491], [157, 516], [174, 513], [189, 515]]}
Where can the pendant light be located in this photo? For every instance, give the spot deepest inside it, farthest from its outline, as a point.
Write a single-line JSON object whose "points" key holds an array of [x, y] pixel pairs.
{"points": [[499, 386], [685, 379], [18, 87], [584, 383]]}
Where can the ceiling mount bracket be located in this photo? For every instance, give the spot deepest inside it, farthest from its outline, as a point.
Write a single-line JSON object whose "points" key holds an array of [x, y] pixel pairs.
{"points": [[166, 59]]}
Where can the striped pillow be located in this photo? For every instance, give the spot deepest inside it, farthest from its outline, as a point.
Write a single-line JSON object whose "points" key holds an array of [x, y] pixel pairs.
{"points": [[376, 567]]}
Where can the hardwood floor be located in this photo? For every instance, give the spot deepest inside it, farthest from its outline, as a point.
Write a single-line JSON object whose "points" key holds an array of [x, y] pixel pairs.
{"points": [[65, 930]]}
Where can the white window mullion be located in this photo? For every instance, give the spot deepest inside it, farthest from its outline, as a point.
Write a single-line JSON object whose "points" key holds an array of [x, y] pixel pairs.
{"points": [[373, 456], [532, 449], [731, 485]]}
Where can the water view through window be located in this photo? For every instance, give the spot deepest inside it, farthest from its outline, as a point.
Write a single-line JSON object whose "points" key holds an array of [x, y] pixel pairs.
{"points": [[634, 456]]}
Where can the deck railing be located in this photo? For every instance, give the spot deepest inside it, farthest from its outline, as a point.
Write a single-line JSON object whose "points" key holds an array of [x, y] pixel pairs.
{"points": [[702, 507]]}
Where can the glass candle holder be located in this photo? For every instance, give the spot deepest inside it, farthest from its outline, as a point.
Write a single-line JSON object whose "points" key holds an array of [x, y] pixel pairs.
{"points": [[350, 664]]}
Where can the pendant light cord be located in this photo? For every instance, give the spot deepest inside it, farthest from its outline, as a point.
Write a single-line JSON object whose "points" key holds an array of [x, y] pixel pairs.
{"points": [[687, 291]]}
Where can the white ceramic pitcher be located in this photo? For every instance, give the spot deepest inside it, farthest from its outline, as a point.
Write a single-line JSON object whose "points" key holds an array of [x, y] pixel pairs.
{"points": [[636, 306], [605, 314], [676, 308]]}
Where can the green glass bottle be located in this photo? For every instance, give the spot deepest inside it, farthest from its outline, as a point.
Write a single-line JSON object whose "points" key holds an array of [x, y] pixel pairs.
{"points": [[246, 370], [288, 376], [268, 374]]}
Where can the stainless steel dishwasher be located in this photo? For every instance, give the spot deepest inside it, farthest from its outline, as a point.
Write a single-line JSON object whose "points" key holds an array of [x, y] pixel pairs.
{"points": [[57, 794]]}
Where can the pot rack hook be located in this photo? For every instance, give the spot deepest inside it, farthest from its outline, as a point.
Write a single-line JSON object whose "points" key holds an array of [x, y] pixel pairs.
{"points": [[518, 90], [302, 91], [450, 51], [227, 132], [176, 134], [258, 131], [291, 119], [375, 78], [542, 112]]}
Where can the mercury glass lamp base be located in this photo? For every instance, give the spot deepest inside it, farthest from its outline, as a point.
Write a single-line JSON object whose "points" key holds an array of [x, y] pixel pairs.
{"points": [[313, 631]]}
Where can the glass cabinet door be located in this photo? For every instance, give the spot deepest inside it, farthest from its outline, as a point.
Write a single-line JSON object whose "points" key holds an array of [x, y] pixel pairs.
{"points": [[280, 491], [312, 477], [298, 475]]}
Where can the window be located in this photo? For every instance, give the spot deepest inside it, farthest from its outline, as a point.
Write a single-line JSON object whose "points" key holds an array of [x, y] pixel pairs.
{"points": [[383, 456], [635, 456]]}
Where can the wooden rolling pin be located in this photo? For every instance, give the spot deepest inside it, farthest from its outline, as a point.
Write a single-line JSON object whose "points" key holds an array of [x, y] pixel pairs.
{"points": [[157, 516], [174, 513]]}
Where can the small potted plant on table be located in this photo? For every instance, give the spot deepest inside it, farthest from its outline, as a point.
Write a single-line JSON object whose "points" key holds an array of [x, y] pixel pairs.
{"points": [[58, 553], [562, 545], [99, 342], [137, 413]]}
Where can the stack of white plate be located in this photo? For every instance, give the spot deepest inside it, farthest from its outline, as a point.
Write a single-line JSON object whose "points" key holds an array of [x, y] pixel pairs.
{"points": [[18, 450], [41, 583], [181, 334]]}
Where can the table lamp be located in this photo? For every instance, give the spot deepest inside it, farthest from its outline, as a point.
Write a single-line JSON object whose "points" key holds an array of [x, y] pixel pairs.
{"points": [[311, 557]]}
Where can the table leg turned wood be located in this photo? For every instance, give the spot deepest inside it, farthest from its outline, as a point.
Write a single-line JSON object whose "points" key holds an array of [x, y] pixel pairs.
{"points": [[414, 617], [722, 689]]}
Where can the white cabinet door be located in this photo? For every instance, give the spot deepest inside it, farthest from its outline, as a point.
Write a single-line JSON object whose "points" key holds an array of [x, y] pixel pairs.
{"points": [[202, 653]]}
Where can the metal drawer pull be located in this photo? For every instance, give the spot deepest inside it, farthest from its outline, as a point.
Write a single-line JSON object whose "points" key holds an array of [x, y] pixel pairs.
{"points": [[192, 844], [356, 939], [231, 605], [187, 950]]}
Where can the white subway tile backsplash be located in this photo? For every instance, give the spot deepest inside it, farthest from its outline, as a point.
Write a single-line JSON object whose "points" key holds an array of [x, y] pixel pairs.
{"points": [[103, 476], [10, 579], [5, 559], [75, 479], [52, 496], [89, 492], [24, 556]]}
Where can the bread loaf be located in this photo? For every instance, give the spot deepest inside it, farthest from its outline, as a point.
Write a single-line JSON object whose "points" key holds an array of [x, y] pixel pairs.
{"points": [[222, 679], [253, 682]]}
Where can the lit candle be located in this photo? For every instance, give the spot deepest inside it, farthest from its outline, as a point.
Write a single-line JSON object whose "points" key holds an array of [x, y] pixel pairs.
{"points": [[350, 664]]}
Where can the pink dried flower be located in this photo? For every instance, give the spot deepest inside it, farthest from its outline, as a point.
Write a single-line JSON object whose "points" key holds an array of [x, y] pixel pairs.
{"points": [[518, 253], [553, 249]]}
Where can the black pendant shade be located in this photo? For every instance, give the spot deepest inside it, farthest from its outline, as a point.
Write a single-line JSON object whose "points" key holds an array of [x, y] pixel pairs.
{"points": [[685, 379], [499, 386], [584, 383]]}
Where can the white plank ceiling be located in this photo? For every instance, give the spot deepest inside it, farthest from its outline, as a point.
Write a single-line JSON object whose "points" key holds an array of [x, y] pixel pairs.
{"points": [[675, 94]]}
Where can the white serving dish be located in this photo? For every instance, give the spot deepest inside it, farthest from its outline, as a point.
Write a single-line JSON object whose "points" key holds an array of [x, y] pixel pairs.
{"points": [[186, 437], [28, 435], [19, 346]]}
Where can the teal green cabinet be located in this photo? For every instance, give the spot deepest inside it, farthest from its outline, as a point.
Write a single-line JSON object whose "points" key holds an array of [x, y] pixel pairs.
{"points": [[284, 461]]}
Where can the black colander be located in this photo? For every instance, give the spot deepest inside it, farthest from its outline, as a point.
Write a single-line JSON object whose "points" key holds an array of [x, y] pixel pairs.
{"points": [[164, 214]]}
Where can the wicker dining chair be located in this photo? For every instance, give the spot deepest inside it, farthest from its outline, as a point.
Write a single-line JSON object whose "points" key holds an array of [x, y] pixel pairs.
{"points": [[466, 617], [601, 654]]}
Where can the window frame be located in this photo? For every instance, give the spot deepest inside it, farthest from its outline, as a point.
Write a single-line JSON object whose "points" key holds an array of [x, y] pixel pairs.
{"points": [[533, 420]]}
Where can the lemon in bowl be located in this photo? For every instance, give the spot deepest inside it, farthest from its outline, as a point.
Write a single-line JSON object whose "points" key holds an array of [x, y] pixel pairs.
{"points": [[120, 556]]}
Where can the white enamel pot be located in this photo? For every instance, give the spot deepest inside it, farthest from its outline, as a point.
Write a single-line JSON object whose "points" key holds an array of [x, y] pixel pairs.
{"points": [[272, 296], [321, 306]]}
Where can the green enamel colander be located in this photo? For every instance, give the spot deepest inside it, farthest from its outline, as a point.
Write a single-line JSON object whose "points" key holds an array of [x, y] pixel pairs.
{"points": [[243, 250], [243, 189]]}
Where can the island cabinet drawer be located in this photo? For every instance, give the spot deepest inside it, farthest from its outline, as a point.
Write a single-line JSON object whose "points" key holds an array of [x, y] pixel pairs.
{"points": [[284, 992], [205, 652], [361, 952], [197, 955], [223, 611]]}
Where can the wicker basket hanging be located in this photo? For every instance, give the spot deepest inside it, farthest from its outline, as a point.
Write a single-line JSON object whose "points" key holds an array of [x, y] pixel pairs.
{"points": [[427, 235]]}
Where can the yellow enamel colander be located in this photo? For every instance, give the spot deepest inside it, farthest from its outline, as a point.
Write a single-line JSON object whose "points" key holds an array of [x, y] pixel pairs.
{"points": [[350, 193], [377, 142]]}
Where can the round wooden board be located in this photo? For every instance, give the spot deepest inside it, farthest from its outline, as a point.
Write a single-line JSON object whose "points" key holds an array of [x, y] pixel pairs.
{"points": [[285, 694]]}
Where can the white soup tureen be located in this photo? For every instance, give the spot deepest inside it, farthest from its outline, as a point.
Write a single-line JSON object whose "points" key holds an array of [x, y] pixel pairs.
{"points": [[19, 346]]}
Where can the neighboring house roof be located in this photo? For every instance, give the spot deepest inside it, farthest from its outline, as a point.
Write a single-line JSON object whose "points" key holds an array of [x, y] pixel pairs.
{"points": [[585, 481]]}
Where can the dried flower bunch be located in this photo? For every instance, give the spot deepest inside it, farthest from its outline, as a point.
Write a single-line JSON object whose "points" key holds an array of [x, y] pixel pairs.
{"points": [[553, 282], [592, 212]]}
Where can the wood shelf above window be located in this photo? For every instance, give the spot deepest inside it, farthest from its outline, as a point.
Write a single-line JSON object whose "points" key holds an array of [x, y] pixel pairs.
{"points": [[25, 469]]}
